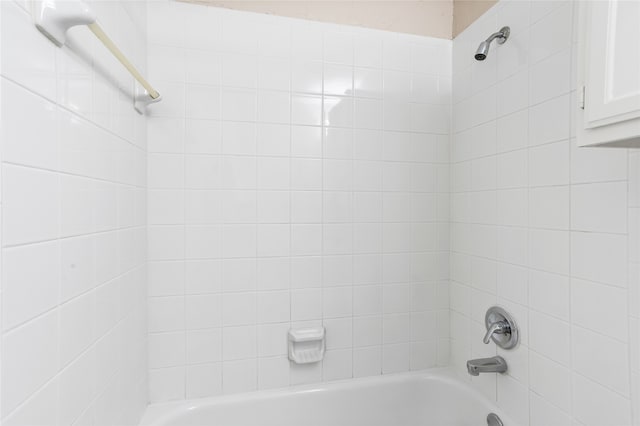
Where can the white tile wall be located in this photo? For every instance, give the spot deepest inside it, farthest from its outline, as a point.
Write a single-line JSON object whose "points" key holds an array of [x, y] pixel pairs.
{"points": [[298, 175], [73, 150], [557, 224], [633, 290]]}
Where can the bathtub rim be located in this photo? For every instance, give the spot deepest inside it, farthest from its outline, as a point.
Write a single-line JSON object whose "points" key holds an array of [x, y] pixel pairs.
{"points": [[160, 411]]}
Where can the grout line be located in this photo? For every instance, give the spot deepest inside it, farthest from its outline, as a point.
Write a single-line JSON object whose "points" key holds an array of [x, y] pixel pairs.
{"points": [[74, 175]]}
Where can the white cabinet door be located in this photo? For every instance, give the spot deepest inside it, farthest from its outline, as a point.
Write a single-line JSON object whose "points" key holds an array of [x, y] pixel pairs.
{"points": [[610, 57]]}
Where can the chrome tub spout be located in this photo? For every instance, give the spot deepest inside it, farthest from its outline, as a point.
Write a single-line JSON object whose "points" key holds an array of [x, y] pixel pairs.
{"points": [[495, 364]]}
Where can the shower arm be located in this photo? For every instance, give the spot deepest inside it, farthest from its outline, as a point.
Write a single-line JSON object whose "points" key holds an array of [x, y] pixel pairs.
{"points": [[500, 35]]}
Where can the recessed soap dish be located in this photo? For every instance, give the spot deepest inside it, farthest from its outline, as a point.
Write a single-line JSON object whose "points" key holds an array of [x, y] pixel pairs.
{"points": [[306, 345]]}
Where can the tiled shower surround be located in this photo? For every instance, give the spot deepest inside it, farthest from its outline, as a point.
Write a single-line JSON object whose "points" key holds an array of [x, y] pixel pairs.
{"points": [[302, 174], [73, 224], [541, 227], [298, 176]]}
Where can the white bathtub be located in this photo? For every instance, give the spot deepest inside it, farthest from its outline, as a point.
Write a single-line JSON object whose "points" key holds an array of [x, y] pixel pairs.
{"points": [[431, 398]]}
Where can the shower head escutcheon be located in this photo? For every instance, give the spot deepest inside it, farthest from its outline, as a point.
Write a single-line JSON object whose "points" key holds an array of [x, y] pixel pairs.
{"points": [[483, 49]]}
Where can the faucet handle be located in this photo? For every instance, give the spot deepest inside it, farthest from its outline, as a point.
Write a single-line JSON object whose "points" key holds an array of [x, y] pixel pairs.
{"points": [[499, 327]]}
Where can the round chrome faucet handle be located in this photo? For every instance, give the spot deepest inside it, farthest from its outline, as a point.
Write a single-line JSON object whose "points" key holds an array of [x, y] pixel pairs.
{"points": [[500, 327]]}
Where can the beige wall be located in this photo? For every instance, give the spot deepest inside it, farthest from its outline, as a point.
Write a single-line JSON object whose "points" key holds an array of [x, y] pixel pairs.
{"points": [[465, 12], [423, 17], [435, 18]]}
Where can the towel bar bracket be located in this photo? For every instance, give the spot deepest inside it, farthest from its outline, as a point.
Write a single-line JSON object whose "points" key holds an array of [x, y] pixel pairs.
{"points": [[53, 18]]}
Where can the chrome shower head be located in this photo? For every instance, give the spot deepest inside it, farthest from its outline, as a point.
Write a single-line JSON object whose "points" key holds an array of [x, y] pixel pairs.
{"points": [[483, 49]]}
